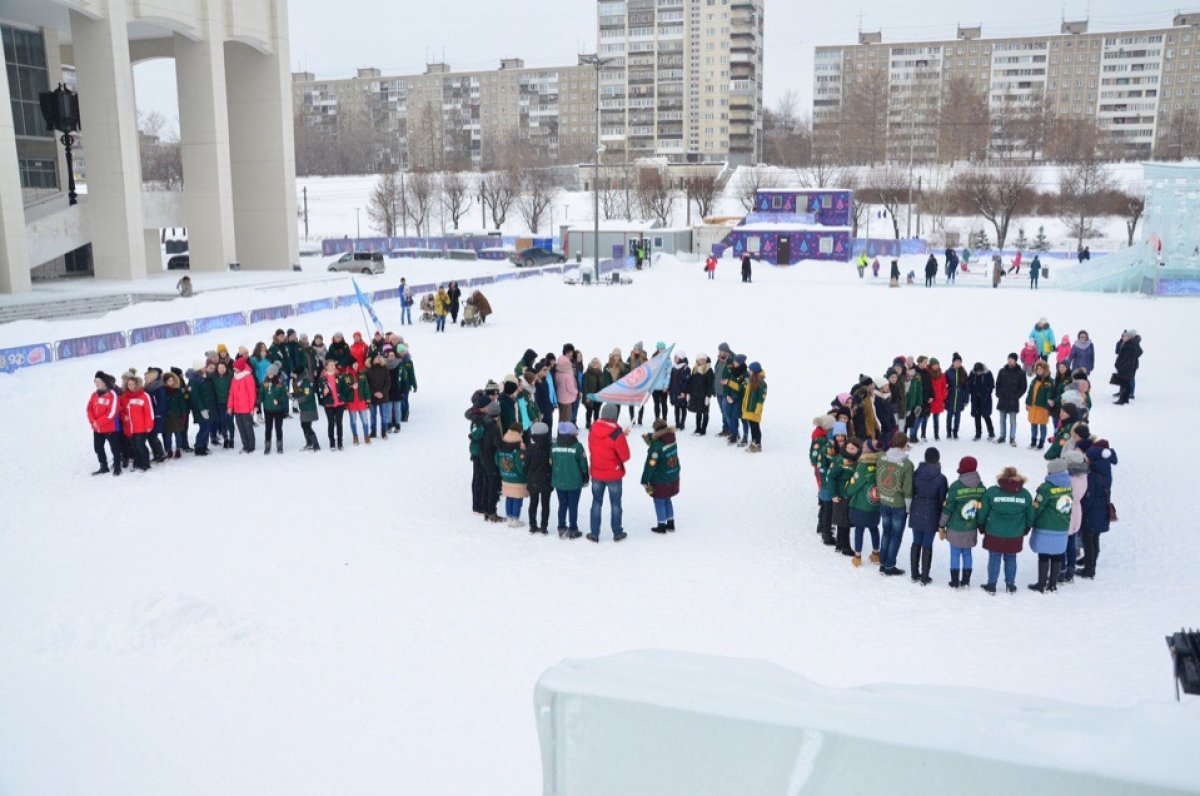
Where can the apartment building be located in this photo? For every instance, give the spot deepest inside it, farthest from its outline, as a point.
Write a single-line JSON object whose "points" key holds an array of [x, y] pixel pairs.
{"points": [[683, 80], [443, 118], [1142, 87]]}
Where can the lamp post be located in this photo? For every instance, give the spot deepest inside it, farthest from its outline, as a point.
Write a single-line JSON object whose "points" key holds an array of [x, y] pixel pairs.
{"points": [[357, 226], [60, 110], [599, 63]]}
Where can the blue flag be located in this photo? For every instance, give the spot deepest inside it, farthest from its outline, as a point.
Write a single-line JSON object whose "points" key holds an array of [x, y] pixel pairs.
{"points": [[365, 303], [635, 387]]}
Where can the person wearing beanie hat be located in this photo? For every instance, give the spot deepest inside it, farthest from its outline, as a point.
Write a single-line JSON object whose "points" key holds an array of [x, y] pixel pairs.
{"points": [[660, 474], [844, 455], [102, 413], [608, 450], [1011, 385], [957, 524], [864, 502], [957, 396], [929, 496], [981, 385], [894, 483], [1005, 516], [243, 396], [568, 476], [1051, 524], [753, 398], [537, 468], [700, 390], [1068, 418], [732, 392]]}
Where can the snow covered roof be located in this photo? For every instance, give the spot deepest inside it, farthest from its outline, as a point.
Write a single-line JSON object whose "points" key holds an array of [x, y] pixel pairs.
{"points": [[785, 227]]}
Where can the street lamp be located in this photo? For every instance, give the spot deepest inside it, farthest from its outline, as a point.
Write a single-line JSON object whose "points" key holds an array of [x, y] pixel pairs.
{"points": [[599, 63], [60, 110]]}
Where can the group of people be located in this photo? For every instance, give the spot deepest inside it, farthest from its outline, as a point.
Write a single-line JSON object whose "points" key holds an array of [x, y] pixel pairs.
{"points": [[511, 421], [149, 420], [860, 457]]}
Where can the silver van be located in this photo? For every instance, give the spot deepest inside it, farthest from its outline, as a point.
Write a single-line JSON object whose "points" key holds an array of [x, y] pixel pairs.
{"points": [[359, 263]]}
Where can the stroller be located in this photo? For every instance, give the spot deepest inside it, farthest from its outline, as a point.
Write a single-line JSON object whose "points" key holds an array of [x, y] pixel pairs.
{"points": [[427, 315], [471, 315]]}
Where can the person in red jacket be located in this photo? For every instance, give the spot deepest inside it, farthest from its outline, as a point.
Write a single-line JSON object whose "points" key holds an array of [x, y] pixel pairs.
{"points": [[940, 389], [102, 417], [359, 351], [608, 451], [137, 419], [243, 397]]}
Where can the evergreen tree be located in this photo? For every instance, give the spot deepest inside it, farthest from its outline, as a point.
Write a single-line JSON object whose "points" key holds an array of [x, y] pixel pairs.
{"points": [[979, 240], [1040, 243], [1022, 242]]}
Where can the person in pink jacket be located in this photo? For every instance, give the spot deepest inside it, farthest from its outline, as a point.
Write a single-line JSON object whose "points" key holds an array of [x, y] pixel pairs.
{"points": [[1029, 357], [1077, 469], [1064, 349], [243, 396], [566, 386]]}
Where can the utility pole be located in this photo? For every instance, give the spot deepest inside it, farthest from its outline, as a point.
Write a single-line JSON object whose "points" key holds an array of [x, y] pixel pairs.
{"points": [[912, 129], [305, 192], [357, 226], [403, 205], [599, 63]]}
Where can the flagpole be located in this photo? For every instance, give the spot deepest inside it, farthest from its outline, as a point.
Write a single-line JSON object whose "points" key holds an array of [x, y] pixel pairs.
{"points": [[361, 310]]}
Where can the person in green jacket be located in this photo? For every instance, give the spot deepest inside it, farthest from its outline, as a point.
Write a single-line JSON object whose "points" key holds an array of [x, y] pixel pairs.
{"points": [[1037, 404], [275, 408], [202, 401], [1005, 516], [306, 400], [864, 502], [1051, 523], [914, 396], [514, 482], [279, 352], [660, 474], [735, 386], [1067, 417], [959, 523], [894, 480], [568, 477], [175, 422], [842, 462], [223, 427], [408, 382]]}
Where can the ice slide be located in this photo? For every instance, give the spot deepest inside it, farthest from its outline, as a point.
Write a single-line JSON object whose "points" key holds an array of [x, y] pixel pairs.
{"points": [[667, 723]]}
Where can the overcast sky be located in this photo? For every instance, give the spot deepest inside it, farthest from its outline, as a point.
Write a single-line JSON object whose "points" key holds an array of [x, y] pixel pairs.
{"points": [[333, 39]]}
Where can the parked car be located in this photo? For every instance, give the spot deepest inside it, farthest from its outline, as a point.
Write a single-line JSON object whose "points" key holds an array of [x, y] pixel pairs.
{"points": [[359, 263], [179, 262], [529, 258], [462, 255]]}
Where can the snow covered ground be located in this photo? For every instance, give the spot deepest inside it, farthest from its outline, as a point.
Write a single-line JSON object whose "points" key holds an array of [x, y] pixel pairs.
{"points": [[317, 623]]}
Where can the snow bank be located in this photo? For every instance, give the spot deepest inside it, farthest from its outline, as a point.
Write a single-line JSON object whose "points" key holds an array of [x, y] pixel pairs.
{"points": [[669, 722]]}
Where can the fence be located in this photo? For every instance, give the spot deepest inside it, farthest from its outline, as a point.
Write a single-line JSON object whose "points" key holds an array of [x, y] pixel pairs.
{"points": [[26, 356]]}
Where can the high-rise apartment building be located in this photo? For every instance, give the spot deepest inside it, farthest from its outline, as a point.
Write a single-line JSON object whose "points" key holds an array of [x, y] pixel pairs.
{"points": [[684, 80], [890, 100], [443, 118]]}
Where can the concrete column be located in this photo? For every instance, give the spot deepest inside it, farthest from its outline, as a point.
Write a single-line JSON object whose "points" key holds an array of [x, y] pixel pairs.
{"points": [[204, 143], [109, 117], [14, 262], [261, 151], [153, 247]]}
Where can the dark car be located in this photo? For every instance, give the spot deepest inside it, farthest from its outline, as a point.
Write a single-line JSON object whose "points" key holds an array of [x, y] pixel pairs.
{"points": [[529, 258], [359, 263], [179, 262]]}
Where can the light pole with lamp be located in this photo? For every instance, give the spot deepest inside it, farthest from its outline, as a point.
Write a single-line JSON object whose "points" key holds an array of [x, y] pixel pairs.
{"points": [[599, 63], [60, 110], [357, 226]]}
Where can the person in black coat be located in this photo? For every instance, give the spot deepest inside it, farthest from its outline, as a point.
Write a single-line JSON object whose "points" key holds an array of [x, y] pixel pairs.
{"points": [[980, 385], [487, 457], [1011, 384], [1129, 355], [746, 267], [1095, 518], [455, 295], [701, 385], [929, 494], [930, 270], [537, 470]]}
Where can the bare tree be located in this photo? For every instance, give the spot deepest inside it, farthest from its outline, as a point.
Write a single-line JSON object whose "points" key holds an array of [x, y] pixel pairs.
{"points": [[1135, 206], [1075, 141], [889, 188], [963, 122], [822, 173], [538, 188], [655, 196], [701, 189], [750, 181], [456, 196], [787, 138], [419, 193], [863, 120], [1083, 189], [498, 190], [997, 194], [383, 206], [1179, 135], [161, 157]]}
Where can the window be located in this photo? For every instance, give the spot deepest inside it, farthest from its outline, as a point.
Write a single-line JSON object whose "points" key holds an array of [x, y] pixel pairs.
{"points": [[25, 58]]}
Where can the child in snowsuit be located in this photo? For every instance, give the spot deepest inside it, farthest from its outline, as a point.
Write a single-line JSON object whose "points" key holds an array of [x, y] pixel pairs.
{"points": [[537, 468], [959, 522], [1029, 357]]}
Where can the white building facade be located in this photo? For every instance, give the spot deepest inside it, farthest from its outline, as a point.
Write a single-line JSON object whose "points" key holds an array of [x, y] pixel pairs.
{"points": [[235, 126]]}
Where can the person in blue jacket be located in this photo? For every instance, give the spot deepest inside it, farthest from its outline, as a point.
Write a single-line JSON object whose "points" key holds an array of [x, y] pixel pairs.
{"points": [[957, 395], [1083, 354], [1096, 501], [158, 402], [929, 495], [1043, 338]]}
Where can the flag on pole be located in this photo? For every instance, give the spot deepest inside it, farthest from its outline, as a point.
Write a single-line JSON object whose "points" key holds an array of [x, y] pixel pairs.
{"points": [[635, 387], [365, 303]]}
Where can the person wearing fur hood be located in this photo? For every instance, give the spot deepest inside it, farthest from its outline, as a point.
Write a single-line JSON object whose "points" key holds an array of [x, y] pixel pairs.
{"points": [[959, 524], [137, 418], [678, 387], [701, 387], [1006, 515], [1083, 354], [660, 474]]}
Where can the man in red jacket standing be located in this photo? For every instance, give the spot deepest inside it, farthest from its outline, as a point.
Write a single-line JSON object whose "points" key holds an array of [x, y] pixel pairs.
{"points": [[102, 417], [608, 451]]}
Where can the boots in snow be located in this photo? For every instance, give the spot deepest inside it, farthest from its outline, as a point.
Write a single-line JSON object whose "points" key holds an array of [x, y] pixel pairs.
{"points": [[660, 528], [1043, 573], [926, 561], [914, 562], [990, 588], [1011, 588], [857, 560], [354, 439], [954, 578], [103, 470], [875, 557], [267, 448], [966, 578], [1055, 571], [366, 439], [279, 446], [671, 526]]}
